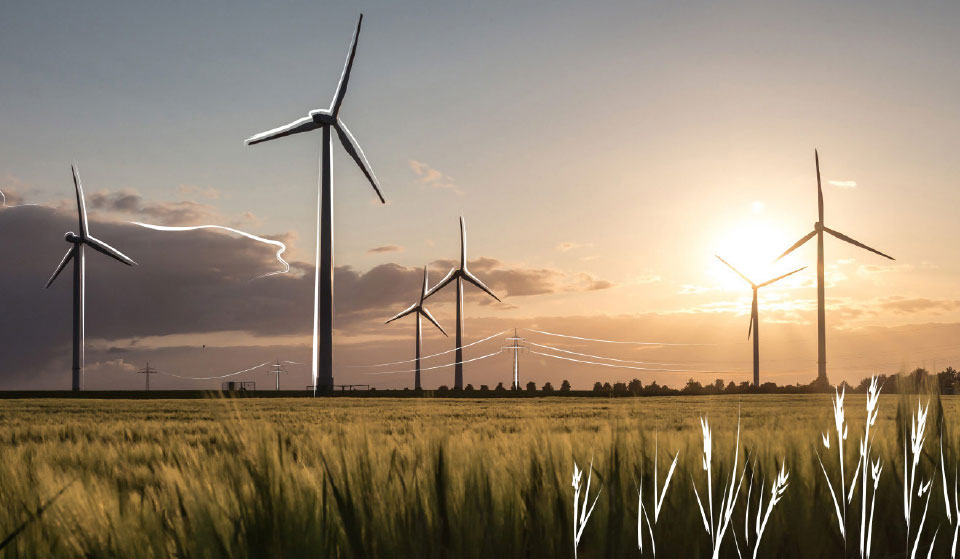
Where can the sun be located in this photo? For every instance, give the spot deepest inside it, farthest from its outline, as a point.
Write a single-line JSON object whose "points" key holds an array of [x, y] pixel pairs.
{"points": [[751, 246]]}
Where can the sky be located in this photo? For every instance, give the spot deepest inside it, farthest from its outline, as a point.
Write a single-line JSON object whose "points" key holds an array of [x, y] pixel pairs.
{"points": [[601, 155]]}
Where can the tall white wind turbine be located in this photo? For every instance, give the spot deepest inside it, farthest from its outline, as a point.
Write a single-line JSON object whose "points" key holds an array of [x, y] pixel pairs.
{"points": [[76, 253], [755, 315], [421, 311], [325, 119], [460, 274], [818, 229]]}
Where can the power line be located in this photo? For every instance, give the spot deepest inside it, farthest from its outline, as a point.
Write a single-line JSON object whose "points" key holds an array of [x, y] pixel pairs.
{"points": [[612, 341], [437, 366], [428, 356]]}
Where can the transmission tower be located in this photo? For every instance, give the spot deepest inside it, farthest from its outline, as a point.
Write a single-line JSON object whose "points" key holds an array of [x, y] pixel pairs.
{"points": [[516, 348], [148, 371], [277, 369]]}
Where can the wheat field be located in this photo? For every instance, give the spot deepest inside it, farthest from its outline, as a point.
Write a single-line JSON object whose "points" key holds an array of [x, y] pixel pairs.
{"points": [[346, 477]]}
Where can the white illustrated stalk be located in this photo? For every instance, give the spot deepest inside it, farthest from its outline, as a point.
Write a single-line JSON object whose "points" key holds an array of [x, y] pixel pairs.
{"points": [[581, 515], [911, 459], [716, 526], [658, 497], [866, 470]]}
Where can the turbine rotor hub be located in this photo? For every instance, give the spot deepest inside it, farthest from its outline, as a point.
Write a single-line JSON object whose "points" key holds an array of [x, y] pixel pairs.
{"points": [[72, 237]]}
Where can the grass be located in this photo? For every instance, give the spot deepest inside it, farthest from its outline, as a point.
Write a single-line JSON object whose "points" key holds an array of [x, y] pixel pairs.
{"points": [[350, 477]]}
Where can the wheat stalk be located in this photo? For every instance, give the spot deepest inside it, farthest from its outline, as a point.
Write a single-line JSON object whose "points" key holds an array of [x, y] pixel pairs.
{"points": [[731, 490], [658, 497], [581, 515]]}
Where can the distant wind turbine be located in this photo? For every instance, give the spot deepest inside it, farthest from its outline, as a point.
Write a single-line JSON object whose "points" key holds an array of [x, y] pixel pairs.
{"points": [[421, 311], [75, 252], [460, 274], [818, 230], [755, 316], [325, 119]]}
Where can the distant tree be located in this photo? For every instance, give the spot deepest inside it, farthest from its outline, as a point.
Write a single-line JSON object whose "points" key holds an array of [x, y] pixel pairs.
{"points": [[607, 387], [469, 387], [500, 388], [731, 388], [947, 380], [635, 386], [547, 388], [620, 387], [598, 386], [565, 386], [443, 388], [484, 388], [768, 388], [651, 389], [531, 386], [693, 388]]}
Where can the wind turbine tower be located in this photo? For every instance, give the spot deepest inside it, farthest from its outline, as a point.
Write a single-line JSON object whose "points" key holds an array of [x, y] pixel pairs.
{"points": [[755, 316], [420, 310], [818, 229], [77, 243], [460, 274], [324, 120]]}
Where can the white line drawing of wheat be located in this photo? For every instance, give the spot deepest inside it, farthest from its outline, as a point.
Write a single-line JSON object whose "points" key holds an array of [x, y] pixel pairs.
{"points": [[716, 526], [777, 489], [657, 497], [911, 459], [865, 470], [581, 515]]}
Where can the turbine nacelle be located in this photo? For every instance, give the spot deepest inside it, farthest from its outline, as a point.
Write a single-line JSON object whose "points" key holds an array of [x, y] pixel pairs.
{"points": [[72, 237], [319, 118], [323, 117]]}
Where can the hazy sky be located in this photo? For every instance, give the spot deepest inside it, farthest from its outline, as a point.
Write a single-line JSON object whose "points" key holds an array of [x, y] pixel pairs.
{"points": [[601, 154]]}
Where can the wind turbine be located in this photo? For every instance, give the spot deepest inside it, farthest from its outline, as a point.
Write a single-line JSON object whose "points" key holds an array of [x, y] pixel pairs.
{"points": [[75, 252], [818, 229], [755, 316], [325, 119], [421, 311], [460, 274]]}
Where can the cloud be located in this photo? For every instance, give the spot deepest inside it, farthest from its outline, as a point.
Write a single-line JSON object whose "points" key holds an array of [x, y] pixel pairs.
{"points": [[385, 248], [128, 201], [207, 192], [844, 184], [904, 305], [568, 245], [432, 177]]}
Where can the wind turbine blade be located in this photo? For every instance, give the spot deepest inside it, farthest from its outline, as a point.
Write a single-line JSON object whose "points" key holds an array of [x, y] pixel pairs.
{"points": [[403, 313], [345, 76], [451, 275], [63, 264], [100, 246], [463, 244], [426, 286], [816, 157], [854, 242], [353, 148], [467, 275], [81, 204], [753, 317], [750, 328], [778, 278], [797, 244], [745, 278], [426, 313], [304, 124]]}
